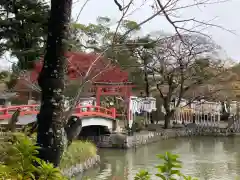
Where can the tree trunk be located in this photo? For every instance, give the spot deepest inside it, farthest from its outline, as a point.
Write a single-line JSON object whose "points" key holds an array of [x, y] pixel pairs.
{"points": [[169, 112], [147, 92], [167, 120], [147, 88], [51, 133]]}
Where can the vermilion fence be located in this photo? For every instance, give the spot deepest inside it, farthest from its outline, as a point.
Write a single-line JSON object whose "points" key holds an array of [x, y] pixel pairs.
{"points": [[95, 111], [6, 113]]}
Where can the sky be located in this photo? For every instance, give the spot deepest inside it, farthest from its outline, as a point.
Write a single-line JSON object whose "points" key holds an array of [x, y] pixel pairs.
{"points": [[220, 14], [224, 14]]}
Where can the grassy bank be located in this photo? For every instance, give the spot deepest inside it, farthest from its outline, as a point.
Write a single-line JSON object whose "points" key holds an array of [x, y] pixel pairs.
{"points": [[78, 152]]}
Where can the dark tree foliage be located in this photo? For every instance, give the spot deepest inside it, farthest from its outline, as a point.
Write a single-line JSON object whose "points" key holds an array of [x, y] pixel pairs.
{"points": [[23, 29], [23, 33], [13, 77], [4, 75]]}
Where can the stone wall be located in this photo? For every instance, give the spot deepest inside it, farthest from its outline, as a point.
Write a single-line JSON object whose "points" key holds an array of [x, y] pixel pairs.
{"points": [[146, 137], [79, 168], [123, 141]]}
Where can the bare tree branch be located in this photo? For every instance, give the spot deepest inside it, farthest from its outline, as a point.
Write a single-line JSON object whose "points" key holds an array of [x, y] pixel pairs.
{"points": [[120, 21], [80, 12]]}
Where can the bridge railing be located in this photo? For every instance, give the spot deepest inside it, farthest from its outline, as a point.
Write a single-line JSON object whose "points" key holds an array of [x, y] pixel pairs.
{"points": [[97, 110], [6, 113]]}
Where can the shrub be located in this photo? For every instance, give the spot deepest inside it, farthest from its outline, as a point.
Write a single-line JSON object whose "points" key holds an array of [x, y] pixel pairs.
{"points": [[19, 157], [138, 124], [78, 151], [19, 154], [170, 170]]}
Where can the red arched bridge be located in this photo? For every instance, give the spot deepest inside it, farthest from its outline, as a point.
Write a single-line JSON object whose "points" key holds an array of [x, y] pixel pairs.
{"points": [[90, 115]]}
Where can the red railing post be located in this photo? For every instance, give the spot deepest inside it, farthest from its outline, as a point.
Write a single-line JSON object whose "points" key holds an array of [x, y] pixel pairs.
{"points": [[78, 109], [113, 112], [32, 109], [5, 111], [88, 108]]}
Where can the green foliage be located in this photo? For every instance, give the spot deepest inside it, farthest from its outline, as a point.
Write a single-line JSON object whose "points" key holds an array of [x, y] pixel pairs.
{"points": [[169, 170], [127, 24], [47, 171], [4, 75], [99, 37], [4, 79], [95, 35], [142, 175], [13, 77], [18, 159], [138, 123], [11, 82], [24, 29], [78, 151]]}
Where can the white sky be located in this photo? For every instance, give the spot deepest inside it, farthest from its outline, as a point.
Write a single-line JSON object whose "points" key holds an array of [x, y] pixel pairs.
{"points": [[223, 14]]}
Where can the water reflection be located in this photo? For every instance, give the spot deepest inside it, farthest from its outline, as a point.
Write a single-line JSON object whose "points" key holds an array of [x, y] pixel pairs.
{"points": [[207, 158]]}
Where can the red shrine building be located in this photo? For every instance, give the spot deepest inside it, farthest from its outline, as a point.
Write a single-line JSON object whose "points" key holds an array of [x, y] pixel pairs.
{"points": [[106, 77]]}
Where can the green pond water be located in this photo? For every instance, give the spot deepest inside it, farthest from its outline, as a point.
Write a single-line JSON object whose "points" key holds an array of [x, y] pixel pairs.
{"points": [[207, 158]]}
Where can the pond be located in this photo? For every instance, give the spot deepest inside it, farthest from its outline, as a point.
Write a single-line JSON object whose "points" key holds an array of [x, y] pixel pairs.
{"points": [[207, 158]]}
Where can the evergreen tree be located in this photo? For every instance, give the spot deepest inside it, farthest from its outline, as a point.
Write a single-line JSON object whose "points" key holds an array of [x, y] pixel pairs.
{"points": [[23, 29]]}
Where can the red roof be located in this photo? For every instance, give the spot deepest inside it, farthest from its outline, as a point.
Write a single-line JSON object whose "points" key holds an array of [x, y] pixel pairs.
{"points": [[78, 65]]}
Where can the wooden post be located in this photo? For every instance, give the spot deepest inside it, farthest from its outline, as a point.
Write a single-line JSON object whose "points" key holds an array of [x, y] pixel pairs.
{"points": [[98, 96]]}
